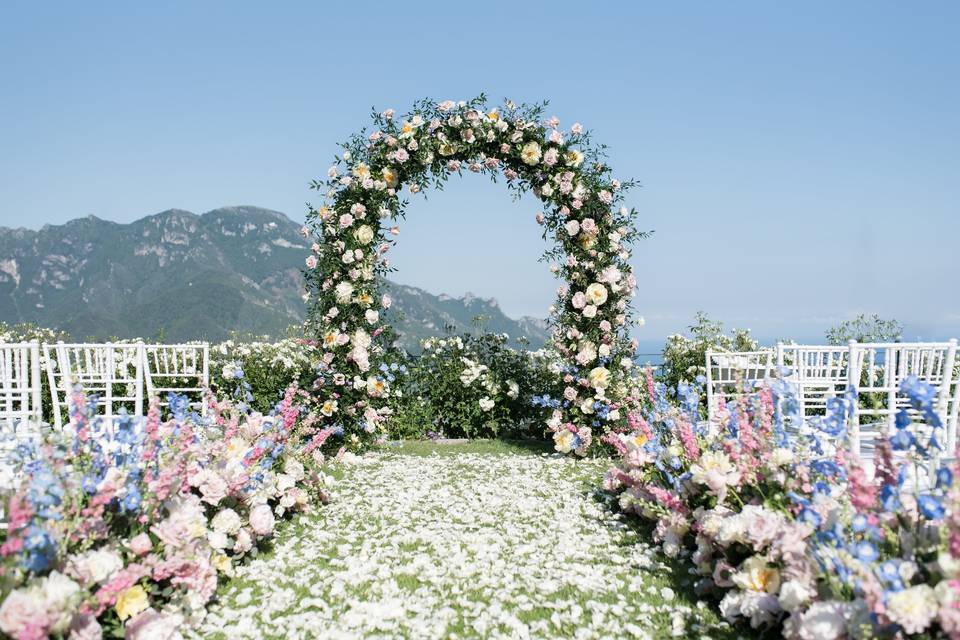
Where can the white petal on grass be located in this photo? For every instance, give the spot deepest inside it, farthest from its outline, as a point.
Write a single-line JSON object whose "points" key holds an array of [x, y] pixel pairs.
{"points": [[465, 546]]}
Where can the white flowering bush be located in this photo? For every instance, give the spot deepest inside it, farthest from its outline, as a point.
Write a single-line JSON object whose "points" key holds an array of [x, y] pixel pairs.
{"points": [[684, 356], [258, 371], [473, 387], [354, 229]]}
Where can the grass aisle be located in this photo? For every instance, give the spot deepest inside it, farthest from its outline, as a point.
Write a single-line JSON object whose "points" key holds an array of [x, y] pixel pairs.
{"points": [[480, 541]]}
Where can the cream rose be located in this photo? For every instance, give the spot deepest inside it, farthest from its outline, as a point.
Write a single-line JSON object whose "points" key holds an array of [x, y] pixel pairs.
{"points": [[599, 377], [364, 234], [596, 294], [531, 153]]}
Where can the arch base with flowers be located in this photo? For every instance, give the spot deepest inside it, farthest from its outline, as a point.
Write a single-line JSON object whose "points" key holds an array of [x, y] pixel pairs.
{"points": [[364, 197]]}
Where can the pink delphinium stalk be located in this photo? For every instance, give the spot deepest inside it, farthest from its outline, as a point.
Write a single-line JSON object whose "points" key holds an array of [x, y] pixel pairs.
{"points": [[689, 440]]}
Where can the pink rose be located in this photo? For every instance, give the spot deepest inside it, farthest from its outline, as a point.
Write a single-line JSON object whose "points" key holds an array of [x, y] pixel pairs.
{"points": [[151, 624], [311, 262], [579, 300], [141, 544], [85, 627], [261, 520]]}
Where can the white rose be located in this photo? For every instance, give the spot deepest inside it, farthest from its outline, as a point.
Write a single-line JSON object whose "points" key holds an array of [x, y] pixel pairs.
{"points": [[822, 621], [364, 234], [98, 566], [294, 468], [794, 594], [217, 539], [344, 292], [60, 595], [589, 311], [486, 403], [226, 521], [572, 227], [372, 316]]}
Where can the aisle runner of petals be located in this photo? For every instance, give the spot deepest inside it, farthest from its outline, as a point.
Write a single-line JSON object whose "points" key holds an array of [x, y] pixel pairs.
{"points": [[463, 546]]}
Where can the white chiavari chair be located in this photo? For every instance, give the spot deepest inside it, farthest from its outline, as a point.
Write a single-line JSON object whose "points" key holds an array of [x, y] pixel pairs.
{"points": [[733, 374], [20, 409], [181, 368], [820, 372], [114, 372], [879, 369]]}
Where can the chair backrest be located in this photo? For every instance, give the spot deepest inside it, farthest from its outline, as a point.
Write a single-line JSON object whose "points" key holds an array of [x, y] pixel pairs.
{"points": [[820, 372], [20, 382], [732, 374], [112, 371], [183, 368], [878, 369], [953, 410]]}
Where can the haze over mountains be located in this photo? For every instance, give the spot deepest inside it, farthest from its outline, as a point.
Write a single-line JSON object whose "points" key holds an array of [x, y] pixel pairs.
{"points": [[178, 276]]}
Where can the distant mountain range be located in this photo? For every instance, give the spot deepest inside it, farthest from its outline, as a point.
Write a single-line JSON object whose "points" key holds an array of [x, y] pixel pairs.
{"points": [[178, 276]]}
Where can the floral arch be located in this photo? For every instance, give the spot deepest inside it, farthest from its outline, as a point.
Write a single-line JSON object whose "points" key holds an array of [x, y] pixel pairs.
{"points": [[355, 228]]}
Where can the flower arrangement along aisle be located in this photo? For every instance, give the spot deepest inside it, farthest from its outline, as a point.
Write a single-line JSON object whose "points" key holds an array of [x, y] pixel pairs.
{"points": [[786, 528], [353, 232], [125, 528]]}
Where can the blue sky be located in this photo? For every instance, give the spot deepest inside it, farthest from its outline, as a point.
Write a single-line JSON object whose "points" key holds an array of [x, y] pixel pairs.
{"points": [[799, 161]]}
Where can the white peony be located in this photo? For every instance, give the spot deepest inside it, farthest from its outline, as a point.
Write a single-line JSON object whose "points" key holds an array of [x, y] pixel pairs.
{"points": [[914, 608]]}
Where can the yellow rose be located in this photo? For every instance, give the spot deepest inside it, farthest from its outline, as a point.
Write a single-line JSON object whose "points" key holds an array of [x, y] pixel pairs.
{"points": [[446, 149], [222, 564], [390, 177], [361, 171], [494, 115], [324, 213], [573, 158], [131, 602], [756, 575], [406, 130]]}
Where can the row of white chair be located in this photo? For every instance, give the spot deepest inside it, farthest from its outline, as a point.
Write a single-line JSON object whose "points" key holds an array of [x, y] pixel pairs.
{"points": [[819, 373], [122, 375]]}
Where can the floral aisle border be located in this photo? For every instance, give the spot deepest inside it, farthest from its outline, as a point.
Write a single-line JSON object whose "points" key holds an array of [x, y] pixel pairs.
{"points": [[583, 214]]}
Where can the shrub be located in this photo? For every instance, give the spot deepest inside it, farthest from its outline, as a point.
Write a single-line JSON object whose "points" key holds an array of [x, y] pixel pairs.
{"points": [[257, 372], [684, 357], [474, 387]]}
